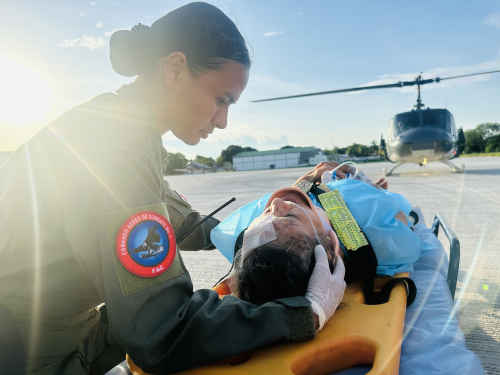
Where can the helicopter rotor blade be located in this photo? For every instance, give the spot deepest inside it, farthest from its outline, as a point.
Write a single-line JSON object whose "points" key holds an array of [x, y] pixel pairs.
{"points": [[467, 75], [418, 81], [399, 84]]}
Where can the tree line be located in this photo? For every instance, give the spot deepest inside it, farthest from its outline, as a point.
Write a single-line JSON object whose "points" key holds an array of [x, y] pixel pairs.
{"points": [[179, 161], [484, 138]]}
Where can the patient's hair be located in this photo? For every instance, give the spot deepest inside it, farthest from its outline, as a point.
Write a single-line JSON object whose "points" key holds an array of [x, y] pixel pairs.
{"points": [[277, 269]]}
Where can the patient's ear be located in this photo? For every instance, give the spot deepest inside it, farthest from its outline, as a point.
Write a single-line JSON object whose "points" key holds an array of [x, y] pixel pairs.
{"points": [[335, 241]]}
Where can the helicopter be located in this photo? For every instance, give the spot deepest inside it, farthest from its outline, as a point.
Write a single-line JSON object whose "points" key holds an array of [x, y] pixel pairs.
{"points": [[418, 136]]}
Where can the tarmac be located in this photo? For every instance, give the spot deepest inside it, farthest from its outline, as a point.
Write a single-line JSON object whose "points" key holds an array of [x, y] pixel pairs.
{"points": [[470, 202]]}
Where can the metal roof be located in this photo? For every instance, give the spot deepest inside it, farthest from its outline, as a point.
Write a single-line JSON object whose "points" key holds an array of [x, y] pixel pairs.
{"points": [[275, 152]]}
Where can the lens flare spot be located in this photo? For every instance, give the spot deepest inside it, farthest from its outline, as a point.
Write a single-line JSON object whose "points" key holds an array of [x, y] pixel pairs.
{"points": [[24, 96]]}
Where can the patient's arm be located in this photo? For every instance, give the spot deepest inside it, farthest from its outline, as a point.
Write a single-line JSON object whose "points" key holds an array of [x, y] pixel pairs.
{"points": [[402, 217], [382, 183], [314, 176]]}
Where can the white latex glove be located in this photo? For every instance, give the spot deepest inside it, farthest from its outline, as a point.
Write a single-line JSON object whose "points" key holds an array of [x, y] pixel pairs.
{"points": [[325, 290]]}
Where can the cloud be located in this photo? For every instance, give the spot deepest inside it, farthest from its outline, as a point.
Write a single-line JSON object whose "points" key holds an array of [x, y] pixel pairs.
{"points": [[81, 14], [93, 3], [91, 42], [274, 33], [99, 25], [493, 20], [108, 33], [442, 73], [268, 82]]}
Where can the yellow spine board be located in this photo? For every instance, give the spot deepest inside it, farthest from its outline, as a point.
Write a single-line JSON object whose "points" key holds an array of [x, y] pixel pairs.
{"points": [[356, 334], [342, 220]]}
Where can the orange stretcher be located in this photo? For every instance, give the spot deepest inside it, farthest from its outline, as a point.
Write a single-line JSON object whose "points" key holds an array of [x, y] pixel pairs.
{"points": [[356, 334]]}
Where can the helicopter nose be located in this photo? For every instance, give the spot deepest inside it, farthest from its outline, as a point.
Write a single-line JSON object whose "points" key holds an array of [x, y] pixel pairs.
{"points": [[420, 140]]}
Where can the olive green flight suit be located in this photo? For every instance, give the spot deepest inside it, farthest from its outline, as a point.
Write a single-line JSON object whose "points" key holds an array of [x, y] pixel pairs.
{"points": [[63, 198]]}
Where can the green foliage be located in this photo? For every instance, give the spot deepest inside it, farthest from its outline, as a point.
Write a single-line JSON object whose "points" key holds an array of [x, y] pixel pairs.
{"points": [[357, 149], [203, 160], [488, 129], [220, 160], [175, 161], [474, 141], [484, 138], [227, 154], [286, 147], [329, 152], [493, 144]]}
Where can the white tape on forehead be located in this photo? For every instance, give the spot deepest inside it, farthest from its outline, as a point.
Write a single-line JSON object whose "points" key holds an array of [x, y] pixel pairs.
{"points": [[260, 232]]}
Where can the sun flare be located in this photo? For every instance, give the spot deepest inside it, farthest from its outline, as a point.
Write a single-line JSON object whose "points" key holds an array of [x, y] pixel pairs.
{"points": [[24, 95]]}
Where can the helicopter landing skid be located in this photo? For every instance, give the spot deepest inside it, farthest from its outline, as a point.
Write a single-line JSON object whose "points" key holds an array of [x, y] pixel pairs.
{"points": [[392, 169], [453, 167]]}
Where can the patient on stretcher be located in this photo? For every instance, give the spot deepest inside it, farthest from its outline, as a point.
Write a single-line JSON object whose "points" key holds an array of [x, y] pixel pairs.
{"points": [[277, 256]]}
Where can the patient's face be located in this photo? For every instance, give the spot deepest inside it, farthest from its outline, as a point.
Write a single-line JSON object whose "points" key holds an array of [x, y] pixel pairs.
{"points": [[289, 219]]}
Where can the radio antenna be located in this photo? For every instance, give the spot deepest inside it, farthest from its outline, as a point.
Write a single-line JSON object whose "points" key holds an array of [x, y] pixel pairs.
{"points": [[193, 228]]}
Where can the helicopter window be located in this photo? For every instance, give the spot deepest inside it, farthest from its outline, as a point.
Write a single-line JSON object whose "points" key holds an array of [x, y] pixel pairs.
{"points": [[404, 122], [436, 119]]}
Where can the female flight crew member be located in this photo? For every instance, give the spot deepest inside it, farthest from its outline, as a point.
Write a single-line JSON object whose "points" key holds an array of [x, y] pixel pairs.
{"points": [[86, 217]]}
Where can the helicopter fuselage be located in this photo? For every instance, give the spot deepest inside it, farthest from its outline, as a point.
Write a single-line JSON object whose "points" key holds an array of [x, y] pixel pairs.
{"points": [[422, 136]]}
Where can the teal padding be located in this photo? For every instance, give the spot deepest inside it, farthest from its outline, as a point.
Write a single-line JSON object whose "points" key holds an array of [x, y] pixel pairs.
{"points": [[395, 245], [224, 235]]}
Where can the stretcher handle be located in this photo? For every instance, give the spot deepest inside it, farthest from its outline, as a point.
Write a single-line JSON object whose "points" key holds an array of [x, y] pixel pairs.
{"points": [[454, 251]]}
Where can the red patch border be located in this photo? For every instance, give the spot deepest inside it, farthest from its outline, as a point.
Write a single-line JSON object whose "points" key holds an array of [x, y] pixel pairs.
{"points": [[122, 239]]}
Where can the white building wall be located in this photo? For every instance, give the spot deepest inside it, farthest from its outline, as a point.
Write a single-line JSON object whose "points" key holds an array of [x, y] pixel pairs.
{"points": [[318, 158], [276, 161], [259, 165], [280, 164]]}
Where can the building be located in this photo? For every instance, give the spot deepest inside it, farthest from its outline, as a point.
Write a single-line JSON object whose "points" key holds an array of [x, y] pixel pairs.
{"points": [[275, 159]]}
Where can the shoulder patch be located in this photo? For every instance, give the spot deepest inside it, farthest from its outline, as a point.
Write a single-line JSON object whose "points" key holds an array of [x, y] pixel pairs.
{"points": [[182, 196], [143, 246]]}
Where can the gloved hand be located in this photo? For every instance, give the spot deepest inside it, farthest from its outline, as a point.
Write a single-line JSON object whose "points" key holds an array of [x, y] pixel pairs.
{"points": [[325, 290]]}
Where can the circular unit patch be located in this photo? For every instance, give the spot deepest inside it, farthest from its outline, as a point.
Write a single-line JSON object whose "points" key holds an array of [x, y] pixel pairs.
{"points": [[145, 244]]}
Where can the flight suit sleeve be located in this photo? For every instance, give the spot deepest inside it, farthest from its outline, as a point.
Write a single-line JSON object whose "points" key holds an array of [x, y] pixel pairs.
{"points": [[183, 217], [161, 323]]}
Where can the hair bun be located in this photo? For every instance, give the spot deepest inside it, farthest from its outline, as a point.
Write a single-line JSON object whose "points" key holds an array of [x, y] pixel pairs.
{"points": [[129, 49]]}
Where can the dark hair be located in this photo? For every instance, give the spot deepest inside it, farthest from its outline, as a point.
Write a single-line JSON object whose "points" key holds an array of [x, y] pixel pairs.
{"points": [[274, 270], [201, 31]]}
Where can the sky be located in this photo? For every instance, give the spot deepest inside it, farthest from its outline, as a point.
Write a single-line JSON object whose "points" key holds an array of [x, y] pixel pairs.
{"points": [[54, 55]]}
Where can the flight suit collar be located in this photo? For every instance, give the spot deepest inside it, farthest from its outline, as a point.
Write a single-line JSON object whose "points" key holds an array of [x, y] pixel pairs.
{"points": [[141, 112], [138, 108]]}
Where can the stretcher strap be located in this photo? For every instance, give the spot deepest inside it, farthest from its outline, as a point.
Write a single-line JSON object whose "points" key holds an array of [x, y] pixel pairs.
{"points": [[358, 247], [304, 185], [411, 290], [342, 220]]}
